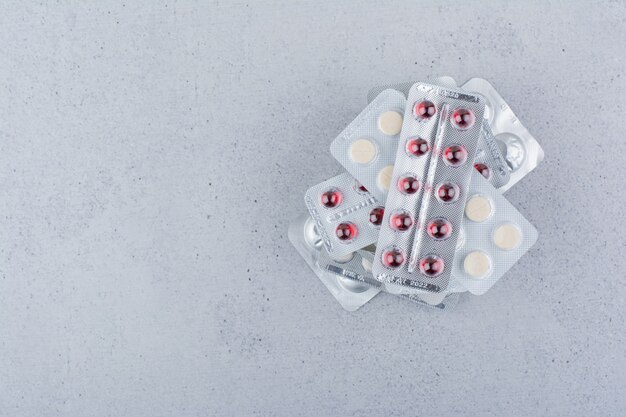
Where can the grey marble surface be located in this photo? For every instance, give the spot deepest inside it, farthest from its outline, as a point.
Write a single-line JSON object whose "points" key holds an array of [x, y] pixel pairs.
{"points": [[152, 157]]}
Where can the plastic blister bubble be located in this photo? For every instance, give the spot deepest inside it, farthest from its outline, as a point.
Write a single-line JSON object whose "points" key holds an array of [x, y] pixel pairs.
{"points": [[520, 149], [347, 216]]}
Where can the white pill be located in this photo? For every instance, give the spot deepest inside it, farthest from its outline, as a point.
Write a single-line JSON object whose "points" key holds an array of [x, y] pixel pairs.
{"points": [[478, 209], [343, 259], [477, 264], [384, 177], [390, 123], [367, 264], [507, 236], [362, 151]]}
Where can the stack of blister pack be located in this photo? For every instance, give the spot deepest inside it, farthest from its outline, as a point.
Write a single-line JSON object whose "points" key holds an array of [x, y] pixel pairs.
{"points": [[420, 212]]}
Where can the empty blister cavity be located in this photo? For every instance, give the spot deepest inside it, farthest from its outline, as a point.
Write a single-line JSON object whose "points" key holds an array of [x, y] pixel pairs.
{"points": [[496, 236], [521, 151], [423, 225], [351, 294], [366, 147], [347, 217]]}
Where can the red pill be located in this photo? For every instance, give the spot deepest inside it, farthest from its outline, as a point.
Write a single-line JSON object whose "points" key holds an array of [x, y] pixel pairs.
{"points": [[360, 188], [455, 155], [393, 257], [408, 184], [331, 198], [463, 119], [417, 147], [447, 192], [376, 215], [431, 265], [424, 109], [346, 231], [400, 220], [483, 169], [439, 229]]}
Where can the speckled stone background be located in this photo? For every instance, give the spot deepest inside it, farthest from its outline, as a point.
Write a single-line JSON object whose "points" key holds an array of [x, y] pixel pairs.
{"points": [[152, 156]]}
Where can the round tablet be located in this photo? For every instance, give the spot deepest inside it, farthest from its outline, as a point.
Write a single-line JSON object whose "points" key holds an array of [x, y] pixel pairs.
{"points": [[376, 215], [507, 236], [431, 265], [362, 151], [346, 232], [343, 259], [393, 257], [476, 264], [367, 264], [390, 123], [384, 177], [478, 209]]}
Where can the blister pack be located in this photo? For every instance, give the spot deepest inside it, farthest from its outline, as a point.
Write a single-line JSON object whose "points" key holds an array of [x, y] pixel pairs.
{"points": [[519, 147], [351, 283], [435, 156], [490, 161], [366, 148], [494, 237], [350, 293], [358, 267], [346, 214]]}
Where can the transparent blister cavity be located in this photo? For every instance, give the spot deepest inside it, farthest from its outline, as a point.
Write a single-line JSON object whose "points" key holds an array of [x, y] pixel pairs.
{"points": [[366, 147], [520, 149], [345, 214], [449, 121], [350, 294], [497, 236], [490, 160]]}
